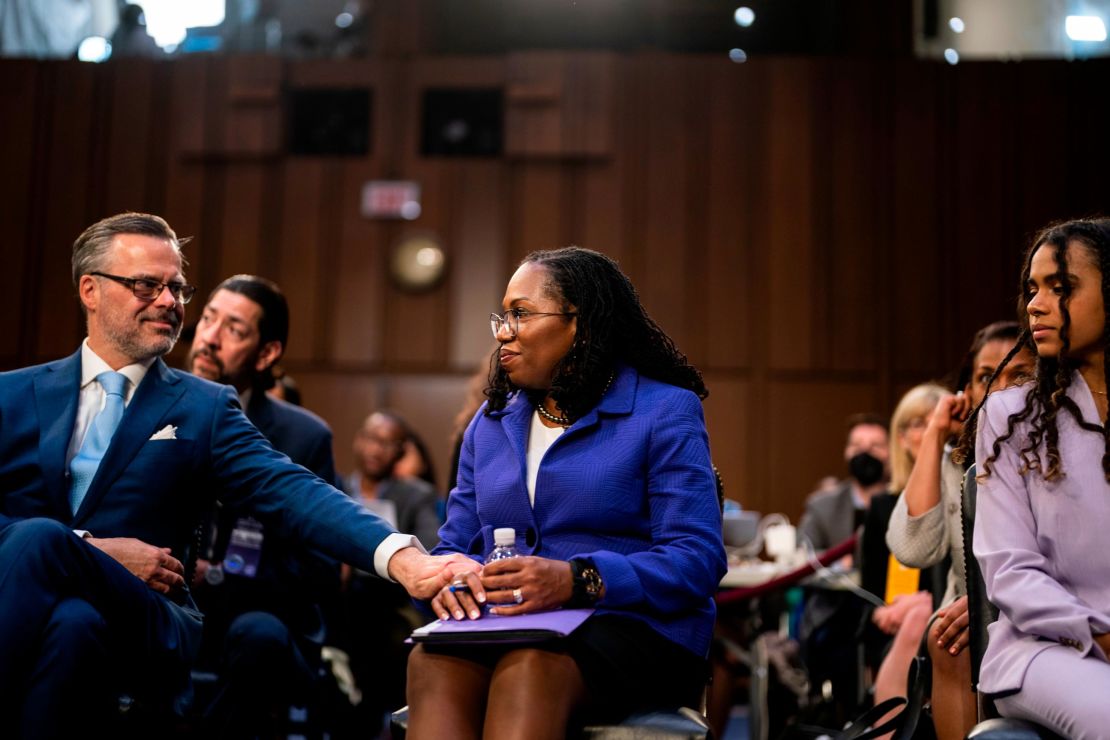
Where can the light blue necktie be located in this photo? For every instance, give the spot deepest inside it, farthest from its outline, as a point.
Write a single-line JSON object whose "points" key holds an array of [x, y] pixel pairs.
{"points": [[84, 465]]}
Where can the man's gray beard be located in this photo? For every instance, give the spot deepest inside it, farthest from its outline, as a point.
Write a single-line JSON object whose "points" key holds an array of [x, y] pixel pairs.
{"points": [[138, 351]]}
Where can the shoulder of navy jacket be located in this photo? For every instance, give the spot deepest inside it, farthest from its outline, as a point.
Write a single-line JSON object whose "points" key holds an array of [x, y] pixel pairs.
{"points": [[165, 373], [73, 362]]}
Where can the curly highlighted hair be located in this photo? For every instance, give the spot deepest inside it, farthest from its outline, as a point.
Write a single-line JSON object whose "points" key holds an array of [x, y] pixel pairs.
{"points": [[613, 328]]}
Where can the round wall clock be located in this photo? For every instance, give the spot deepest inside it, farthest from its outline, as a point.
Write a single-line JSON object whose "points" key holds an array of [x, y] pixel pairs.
{"points": [[417, 263]]}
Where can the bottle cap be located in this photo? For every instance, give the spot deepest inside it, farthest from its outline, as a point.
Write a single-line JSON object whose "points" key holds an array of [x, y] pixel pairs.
{"points": [[504, 537]]}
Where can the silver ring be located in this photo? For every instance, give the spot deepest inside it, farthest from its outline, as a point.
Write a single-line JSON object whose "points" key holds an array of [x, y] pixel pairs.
{"points": [[518, 597]]}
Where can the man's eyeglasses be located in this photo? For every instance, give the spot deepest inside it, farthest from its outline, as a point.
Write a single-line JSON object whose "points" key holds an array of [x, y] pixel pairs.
{"points": [[512, 318], [149, 290]]}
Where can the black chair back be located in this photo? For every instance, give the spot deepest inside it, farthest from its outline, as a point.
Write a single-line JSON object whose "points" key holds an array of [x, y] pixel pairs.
{"points": [[980, 611]]}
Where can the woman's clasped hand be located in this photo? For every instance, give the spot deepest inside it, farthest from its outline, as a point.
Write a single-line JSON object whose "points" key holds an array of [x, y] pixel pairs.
{"points": [[950, 628], [511, 586]]}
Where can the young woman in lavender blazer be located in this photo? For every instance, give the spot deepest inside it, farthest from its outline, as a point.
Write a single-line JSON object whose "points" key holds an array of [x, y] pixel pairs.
{"points": [[1044, 497]]}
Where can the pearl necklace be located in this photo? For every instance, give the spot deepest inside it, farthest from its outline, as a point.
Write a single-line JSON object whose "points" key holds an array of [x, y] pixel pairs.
{"points": [[563, 420]]}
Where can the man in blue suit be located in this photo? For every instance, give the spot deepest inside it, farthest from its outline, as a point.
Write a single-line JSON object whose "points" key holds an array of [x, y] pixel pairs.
{"points": [[108, 459], [264, 627]]}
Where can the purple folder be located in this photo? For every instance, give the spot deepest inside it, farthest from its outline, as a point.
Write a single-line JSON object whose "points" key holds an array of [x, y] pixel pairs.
{"points": [[490, 628]]}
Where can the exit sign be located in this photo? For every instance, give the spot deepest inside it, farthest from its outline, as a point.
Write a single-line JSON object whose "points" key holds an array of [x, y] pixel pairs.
{"points": [[391, 199]]}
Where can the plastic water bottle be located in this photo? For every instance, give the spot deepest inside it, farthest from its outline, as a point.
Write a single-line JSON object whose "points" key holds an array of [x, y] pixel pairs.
{"points": [[504, 544]]}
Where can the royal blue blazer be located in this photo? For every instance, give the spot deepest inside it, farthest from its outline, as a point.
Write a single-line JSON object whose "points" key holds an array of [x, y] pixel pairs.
{"points": [[630, 486]]}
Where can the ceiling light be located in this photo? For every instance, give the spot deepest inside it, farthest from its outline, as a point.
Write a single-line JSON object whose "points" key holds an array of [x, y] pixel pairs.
{"points": [[94, 49], [1085, 28]]}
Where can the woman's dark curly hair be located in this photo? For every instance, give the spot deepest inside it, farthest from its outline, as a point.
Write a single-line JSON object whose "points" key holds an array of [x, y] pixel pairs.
{"points": [[613, 328], [1047, 395]]}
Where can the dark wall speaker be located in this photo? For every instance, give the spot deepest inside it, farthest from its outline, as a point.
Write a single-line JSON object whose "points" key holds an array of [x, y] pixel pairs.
{"points": [[463, 123], [330, 122]]}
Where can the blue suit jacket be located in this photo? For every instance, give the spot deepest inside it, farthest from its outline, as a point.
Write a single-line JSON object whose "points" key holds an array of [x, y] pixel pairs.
{"points": [[292, 578], [629, 485], [156, 490]]}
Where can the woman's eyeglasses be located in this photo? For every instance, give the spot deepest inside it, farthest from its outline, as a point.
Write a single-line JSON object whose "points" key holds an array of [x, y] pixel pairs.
{"points": [[511, 319]]}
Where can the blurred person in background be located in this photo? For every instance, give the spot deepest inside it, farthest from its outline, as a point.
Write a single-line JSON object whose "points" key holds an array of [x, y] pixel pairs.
{"points": [[925, 526], [892, 637], [831, 619], [260, 593], [375, 618], [285, 388], [131, 38]]}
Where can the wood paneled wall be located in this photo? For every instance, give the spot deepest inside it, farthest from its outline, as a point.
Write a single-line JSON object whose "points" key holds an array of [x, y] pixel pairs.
{"points": [[817, 234]]}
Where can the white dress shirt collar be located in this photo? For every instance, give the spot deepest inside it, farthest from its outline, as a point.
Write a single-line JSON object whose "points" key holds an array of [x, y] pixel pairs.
{"points": [[92, 365]]}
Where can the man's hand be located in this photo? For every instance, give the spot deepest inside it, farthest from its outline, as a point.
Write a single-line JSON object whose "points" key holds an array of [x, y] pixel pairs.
{"points": [[424, 575], [950, 627], [154, 566]]}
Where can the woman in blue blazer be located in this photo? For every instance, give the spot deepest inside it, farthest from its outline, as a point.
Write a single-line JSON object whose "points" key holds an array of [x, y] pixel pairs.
{"points": [[593, 447]]}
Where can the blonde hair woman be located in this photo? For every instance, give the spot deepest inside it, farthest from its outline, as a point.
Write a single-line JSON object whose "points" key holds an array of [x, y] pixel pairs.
{"points": [[907, 426]]}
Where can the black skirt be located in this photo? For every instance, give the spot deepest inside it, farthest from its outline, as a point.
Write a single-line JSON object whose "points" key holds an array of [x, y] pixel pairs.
{"points": [[626, 666]]}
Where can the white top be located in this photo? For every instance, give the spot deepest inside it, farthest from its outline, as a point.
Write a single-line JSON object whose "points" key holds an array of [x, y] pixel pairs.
{"points": [[539, 439]]}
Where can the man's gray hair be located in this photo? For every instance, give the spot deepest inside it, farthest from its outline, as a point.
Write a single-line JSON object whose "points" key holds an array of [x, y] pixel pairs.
{"points": [[92, 246]]}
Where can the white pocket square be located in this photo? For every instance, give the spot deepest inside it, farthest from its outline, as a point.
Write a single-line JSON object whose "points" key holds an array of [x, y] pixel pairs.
{"points": [[167, 432]]}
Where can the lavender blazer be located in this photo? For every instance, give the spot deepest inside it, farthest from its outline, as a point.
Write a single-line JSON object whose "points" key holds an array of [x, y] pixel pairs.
{"points": [[1041, 545], [629, 485]]}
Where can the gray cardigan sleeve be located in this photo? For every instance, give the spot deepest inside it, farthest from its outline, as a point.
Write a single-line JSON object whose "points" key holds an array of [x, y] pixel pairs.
{"points": [[917, 541]]}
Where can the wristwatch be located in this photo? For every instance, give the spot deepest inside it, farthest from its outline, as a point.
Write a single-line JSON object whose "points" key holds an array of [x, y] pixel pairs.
{"points": [[587, 583]]}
